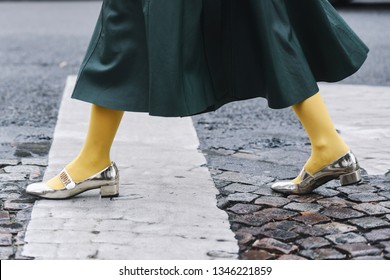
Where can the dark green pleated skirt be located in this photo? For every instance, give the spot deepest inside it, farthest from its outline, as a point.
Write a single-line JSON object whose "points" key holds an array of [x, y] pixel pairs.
{"points": [[185, 57]]}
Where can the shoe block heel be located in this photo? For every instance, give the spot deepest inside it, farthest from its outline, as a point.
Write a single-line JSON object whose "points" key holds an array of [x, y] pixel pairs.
{"points": [[351, 178], [110, 190]]}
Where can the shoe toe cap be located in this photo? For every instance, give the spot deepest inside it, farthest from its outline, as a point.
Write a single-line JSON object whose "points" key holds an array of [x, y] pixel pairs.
{"points": [[38, 188], [284, 187]]}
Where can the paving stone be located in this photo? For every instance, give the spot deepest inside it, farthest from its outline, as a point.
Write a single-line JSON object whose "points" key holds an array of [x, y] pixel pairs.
{"points": [[335, 227], [358, 189], [21, 169], [358, 249], [8, 195], [23, 199], [385, 194], [383, 187], [221, 184], [24, 215], [310, 231], [11, 227], [244, 238], [6, 162], [327, 192], [371, 208], [266, 190], [366, 197], [31, 171], [241, 208], [291, 257], [341, 213], [385, 204], [4, 230], [240, 188], [323, 254], [11, 187], [386, 246], [6, 252], [307, 198], [303, 207], [284, 225], [272, 201], [313, 242], [275, 246], [345, 238], [11, 206], [335, 201], [254, 231], [244, 178], [241, 197], [276, 214], [5, 239], [286, 236], [378, 235], [4, 216], [309, 218], [369, 222], [222, 203], [333, 184], [35, 161], [4, 177], [257, 255], [250, 220]]}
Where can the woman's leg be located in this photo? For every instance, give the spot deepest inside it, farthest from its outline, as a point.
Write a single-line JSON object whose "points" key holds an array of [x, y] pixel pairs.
{"points": [[95, 153], [329, 152], [327, 145]]}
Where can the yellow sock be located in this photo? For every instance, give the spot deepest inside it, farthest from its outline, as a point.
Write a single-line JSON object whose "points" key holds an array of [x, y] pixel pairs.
{"points": [[95, 154], [326, 143]]}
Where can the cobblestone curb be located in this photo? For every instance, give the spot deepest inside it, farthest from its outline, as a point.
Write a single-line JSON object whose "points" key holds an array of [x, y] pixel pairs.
{"points": [[327, 224]]}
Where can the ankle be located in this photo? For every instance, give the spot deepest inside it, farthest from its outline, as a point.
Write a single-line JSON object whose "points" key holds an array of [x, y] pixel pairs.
{"points": [[90, 161], [82, 168], [324, 156], [329, 152]]}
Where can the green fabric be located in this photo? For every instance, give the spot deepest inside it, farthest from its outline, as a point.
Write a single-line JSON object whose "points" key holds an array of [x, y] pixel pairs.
{"points": [[185, 57]]}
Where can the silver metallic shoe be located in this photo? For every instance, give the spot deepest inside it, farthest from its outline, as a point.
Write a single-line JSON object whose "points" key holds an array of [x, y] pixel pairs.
{"points": [[107, 180], [345, 168]]}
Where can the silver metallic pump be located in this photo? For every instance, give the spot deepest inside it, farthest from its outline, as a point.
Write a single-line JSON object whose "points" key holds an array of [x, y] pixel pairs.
{"points": [[107, 180], [346, 168]]}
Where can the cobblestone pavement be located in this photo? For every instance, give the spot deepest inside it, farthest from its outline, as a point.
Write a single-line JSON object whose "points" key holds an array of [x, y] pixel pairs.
{"points": [[246, 152], [16, 205]]}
